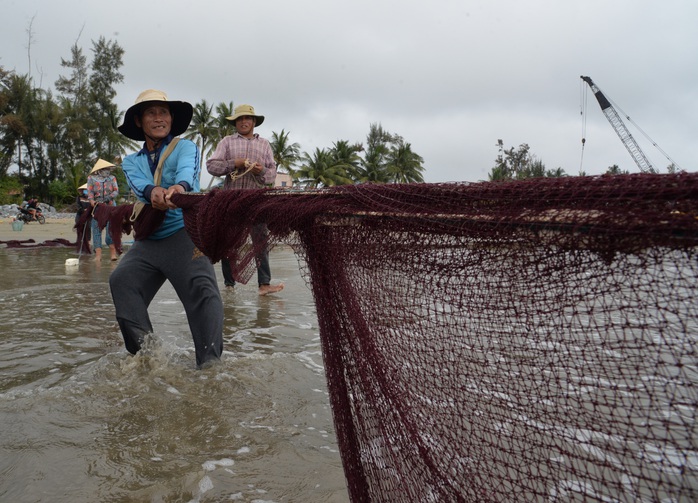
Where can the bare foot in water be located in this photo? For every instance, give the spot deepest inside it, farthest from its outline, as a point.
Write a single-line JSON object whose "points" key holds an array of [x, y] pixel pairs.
{"points": [[267, 289]]}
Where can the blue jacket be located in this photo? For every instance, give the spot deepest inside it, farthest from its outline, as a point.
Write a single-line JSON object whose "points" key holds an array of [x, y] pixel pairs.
{"points": [[181, 167]]}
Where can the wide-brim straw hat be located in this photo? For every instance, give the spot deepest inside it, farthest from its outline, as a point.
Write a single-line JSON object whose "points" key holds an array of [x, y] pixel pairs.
{"points": [[242, 110], [181, 111], [101, 164], [82, 187]]}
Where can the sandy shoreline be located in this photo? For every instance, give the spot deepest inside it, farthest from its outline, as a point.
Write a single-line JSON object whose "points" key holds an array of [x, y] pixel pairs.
{"points": [[54, 228]]}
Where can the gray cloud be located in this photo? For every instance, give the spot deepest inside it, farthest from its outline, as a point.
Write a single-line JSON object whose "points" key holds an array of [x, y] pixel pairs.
{"points": [[451, 77]]}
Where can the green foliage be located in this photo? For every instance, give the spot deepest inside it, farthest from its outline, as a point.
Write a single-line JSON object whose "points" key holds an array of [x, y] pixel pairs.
{"points": [[124, 190], [223, 126], [61, 192], [208, 129], [76, 175], [345, 159], [404, 166], [519, 164], [56, 139], [286, 154], [11, 190], [615, 170], [202, 129], [320, 169], [387, 158], [53, 140]]}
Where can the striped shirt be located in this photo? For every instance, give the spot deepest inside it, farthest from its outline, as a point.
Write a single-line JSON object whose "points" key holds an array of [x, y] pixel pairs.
{"points": [[236, 146]]}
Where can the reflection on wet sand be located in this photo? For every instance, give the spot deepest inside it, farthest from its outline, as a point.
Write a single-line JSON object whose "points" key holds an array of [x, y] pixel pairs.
{"points": [[85, 421]]}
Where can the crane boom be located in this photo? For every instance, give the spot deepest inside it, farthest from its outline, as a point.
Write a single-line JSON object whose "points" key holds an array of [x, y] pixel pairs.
{"points": [[620, 128]]}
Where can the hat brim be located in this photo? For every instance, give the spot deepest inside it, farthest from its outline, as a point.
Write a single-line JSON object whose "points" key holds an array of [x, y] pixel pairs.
{"points": [[258, 119], [100, 167], [181, 112]]}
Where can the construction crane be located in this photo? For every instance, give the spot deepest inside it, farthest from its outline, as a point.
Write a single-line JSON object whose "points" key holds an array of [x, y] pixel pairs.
{"points": [[621, 130]]}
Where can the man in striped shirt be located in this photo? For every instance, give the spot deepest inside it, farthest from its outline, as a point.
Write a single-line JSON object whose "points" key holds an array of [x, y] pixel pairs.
{"points": [[246, 161]]}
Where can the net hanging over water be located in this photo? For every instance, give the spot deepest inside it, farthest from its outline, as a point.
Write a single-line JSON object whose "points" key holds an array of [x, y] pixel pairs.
{"points": [[519, 341]]}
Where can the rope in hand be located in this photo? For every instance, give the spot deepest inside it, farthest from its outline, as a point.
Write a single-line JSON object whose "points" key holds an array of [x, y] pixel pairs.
{"points": [[235, 175]]}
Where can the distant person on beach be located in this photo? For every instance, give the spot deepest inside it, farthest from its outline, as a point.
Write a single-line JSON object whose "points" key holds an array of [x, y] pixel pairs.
{"points": [[31, 206], [164, 166], [82, 202], [102, 188], [246, 161]]}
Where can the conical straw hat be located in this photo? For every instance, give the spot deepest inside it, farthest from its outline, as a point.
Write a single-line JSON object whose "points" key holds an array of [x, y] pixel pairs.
{"points": [[102, 164]]}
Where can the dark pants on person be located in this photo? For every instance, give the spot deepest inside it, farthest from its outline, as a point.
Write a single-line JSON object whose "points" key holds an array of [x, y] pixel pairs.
{"points": [[259, 236], [144, 269]]}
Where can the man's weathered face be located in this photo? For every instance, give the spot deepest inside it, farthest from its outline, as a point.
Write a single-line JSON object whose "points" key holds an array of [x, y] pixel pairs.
{"points": [[156, 121], [245, 125]]}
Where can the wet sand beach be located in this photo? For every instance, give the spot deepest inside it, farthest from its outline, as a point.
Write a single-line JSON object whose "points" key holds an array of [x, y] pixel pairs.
{"points": [[54, 228], [85, 421]]}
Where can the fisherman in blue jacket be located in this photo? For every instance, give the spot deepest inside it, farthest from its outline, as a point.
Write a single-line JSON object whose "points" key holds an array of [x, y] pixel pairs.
{"points": [[168, 252]]}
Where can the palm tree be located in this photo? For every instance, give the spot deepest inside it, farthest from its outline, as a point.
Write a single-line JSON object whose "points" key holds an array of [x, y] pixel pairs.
{"points": [[319, 170], [404, 165], [286, 154], [223, 126], [76, 175], [203, 127], [345, 157], [373, 168], [615, 170], [555, 173]]}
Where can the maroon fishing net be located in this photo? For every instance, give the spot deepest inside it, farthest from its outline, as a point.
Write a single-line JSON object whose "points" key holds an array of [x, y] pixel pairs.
{"points": [[496, 342], [31, 243]]}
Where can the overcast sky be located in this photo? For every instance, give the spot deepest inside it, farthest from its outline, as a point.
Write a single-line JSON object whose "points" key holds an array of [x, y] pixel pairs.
{"points": [[450, 76]]}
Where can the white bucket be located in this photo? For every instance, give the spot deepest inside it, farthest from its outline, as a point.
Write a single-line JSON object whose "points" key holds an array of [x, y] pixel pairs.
{"points": [[72, 262]]}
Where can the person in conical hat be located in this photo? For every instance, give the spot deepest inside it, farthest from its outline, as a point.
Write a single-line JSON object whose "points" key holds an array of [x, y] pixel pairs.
{"points": [[100, 165], [165, 165], [102, 188], [82, 202], [246, 161]]}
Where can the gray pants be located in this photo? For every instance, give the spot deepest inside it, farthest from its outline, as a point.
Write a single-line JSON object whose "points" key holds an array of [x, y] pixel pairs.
{"points": [[141, 273], [259, 235]]}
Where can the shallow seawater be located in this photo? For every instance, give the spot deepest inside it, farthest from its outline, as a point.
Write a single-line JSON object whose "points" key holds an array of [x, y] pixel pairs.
{"points": [[82, 420]]}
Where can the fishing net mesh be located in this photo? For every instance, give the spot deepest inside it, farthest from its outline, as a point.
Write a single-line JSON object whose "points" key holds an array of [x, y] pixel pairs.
{"points": [[519, 341]]}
